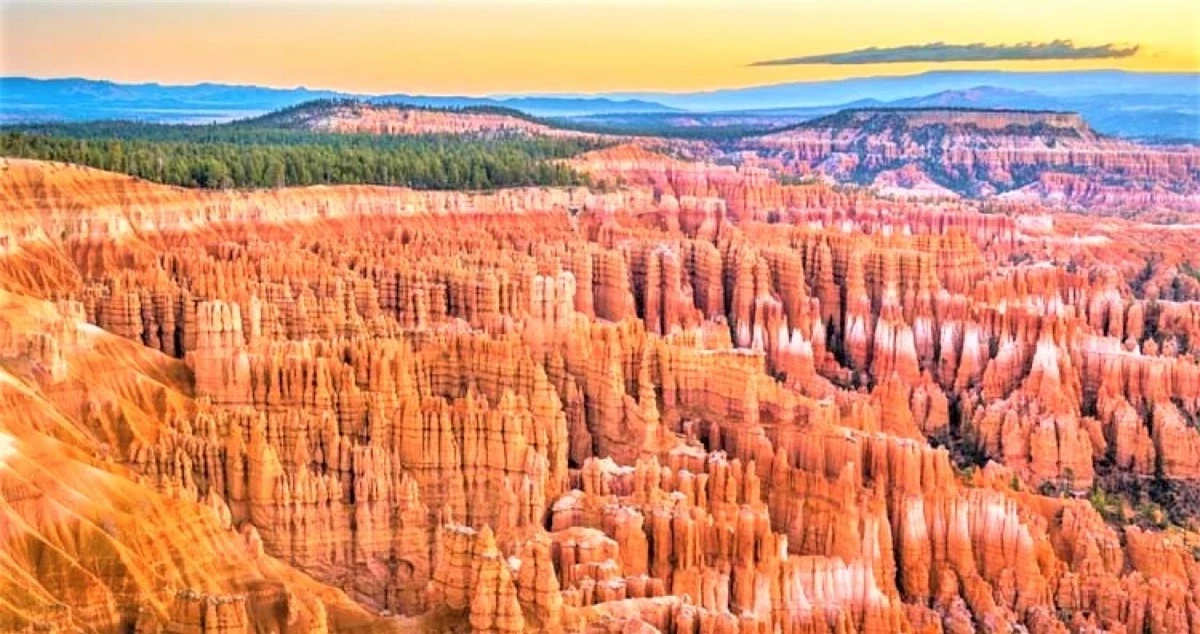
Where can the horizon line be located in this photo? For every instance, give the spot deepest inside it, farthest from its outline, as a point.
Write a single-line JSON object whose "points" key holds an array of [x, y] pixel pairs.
{"points": [[502, 95]]}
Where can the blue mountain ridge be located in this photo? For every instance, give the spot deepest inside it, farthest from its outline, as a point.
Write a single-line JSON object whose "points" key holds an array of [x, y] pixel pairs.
{"points": [[1143, 105]]}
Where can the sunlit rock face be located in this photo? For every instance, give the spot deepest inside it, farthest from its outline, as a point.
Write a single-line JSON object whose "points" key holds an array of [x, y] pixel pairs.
{"points": [[401, 120], [702, 402], [1008, 157]]}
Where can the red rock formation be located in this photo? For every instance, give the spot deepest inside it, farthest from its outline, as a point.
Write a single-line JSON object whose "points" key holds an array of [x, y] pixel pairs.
{"points": [[703, 403], [983, 153], [361, 117]]}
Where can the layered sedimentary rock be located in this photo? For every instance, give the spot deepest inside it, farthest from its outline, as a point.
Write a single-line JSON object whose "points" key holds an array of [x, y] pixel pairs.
{"points": [[1016, 156], [702, 402], [366, 118]]}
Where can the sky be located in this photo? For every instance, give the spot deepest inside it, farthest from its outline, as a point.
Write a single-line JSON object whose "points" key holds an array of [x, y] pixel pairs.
{"points": [[570, 46]]}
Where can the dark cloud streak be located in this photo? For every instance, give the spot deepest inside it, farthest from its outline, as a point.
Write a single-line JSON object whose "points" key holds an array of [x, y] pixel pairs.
{"points": [[940, 52]]}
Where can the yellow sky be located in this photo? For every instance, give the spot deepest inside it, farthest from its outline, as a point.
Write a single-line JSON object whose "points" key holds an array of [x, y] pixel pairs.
{"points": [[562, 46]]}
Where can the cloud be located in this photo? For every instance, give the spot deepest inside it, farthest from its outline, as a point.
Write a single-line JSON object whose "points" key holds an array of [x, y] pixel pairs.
{"points": [[939, 52]]}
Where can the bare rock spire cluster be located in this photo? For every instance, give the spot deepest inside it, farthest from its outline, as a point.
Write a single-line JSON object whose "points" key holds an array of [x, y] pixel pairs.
{"points": [[700, 403]]}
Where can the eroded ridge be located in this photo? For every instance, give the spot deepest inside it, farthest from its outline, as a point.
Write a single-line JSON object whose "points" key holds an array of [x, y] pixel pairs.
{"points": [[700, 403], [398, 119], [1007, 156]]}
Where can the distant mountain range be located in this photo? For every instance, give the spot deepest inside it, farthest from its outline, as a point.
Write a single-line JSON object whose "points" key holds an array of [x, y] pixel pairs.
{"points": [[1161, 117], [1140, 105], [827, 92], [536, 106], [28, 99]]}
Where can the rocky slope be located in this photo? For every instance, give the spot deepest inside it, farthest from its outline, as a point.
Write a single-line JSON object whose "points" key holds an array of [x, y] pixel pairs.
{"points": [[1019, 156], [367, 118], [701, 402]]}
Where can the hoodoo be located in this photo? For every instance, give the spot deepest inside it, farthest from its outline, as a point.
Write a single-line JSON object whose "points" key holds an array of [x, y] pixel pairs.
{"points": [[427, 409], [913, 354]]}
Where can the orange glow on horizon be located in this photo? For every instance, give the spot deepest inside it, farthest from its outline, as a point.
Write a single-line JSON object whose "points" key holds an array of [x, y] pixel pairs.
{"points": [[530, 47]]}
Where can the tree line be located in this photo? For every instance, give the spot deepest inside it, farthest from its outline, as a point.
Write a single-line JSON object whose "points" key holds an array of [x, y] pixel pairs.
{"points": [[288, 115], [226, 155]]}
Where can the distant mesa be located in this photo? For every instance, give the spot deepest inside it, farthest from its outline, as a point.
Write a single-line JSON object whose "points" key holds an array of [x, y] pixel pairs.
{"points": [[399, 119], [982, 120], [1015, 155]]}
